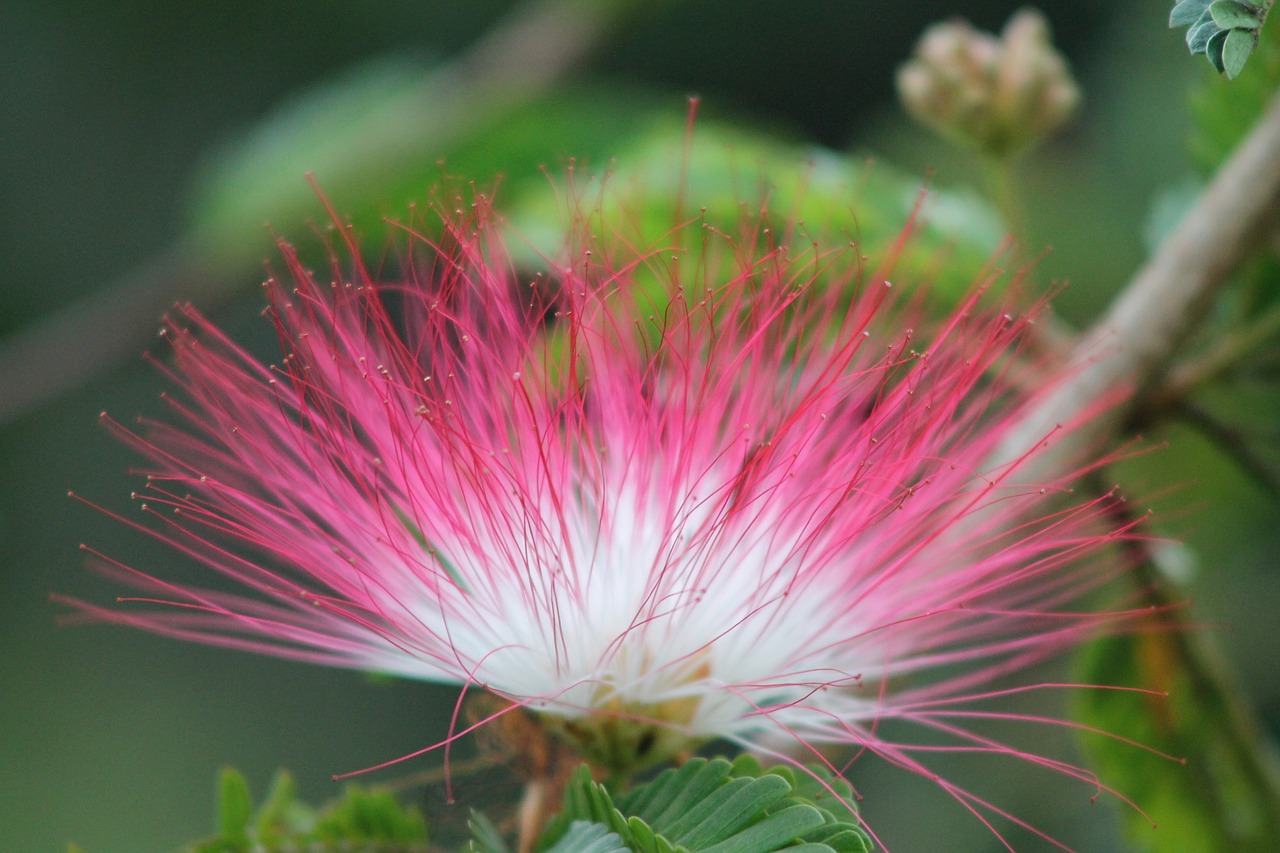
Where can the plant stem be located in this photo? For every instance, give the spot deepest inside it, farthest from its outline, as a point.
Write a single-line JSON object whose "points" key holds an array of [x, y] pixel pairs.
{"points": [[1129, 348], [1002, 188], [1229, 352], [1161, 305]]}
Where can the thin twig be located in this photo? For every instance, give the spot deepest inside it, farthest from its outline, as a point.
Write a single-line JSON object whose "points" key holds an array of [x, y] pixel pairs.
{"points": [[536, 45], [1227, 354], [1161, 306]]}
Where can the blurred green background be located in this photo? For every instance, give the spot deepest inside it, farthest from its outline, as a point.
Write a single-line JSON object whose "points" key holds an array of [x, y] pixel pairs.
{"points": [[111, 112]]}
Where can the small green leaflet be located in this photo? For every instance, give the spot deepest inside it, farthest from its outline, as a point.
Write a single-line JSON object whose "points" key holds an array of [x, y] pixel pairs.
{"points": [[1225, 31], [368, 820], [710, 806]]}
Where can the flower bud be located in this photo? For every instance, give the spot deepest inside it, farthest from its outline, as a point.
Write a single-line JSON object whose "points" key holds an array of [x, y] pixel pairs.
{"points": [[999, 95]]}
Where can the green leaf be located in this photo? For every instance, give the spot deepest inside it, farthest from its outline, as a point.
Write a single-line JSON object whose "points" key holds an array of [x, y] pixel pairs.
{"points": [[235, 807], [1187, 12], [370, 178], [1231, 14], [731, 176], [1201, 32], [1226, 31], [584, 837], [713, 806], [379, 137], [774, 832], [712, 776], [371, 821], [485, 837], [1213, 50], [369, 815], [1236, 50], [365, 138], [281, 815], [736, 804], [1218, 802], [1222, 114]]}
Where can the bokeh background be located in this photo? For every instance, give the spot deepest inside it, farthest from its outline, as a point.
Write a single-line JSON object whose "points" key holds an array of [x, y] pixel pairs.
{"points": [[111, 112]]}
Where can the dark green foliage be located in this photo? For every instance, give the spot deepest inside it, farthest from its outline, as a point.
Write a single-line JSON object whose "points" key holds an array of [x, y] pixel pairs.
{"points": [[1218, 802], [1225, 31], [361, 821], [1224, 114], [711, 806]]}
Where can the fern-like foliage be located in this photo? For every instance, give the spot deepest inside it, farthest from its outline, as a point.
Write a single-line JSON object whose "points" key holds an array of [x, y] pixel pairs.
{"points": [[1225, 31], [704, 806], [361, 821]]}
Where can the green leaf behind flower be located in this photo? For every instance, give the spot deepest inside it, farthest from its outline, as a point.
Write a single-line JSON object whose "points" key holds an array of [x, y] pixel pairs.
{"points": [[373, 141], [378, 138], [742, 186], [1216, 803], [731, 176]]}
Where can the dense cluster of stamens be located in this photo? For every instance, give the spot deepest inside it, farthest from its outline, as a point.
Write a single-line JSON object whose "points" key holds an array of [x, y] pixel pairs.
{"points": [[742, 494]]}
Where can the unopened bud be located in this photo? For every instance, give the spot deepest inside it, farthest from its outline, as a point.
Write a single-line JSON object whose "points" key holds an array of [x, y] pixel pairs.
{"points": [[999, 95]]}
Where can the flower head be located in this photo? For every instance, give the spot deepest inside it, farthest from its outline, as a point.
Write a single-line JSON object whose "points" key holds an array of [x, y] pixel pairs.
{"points": [[654, 501], [998, 95]]}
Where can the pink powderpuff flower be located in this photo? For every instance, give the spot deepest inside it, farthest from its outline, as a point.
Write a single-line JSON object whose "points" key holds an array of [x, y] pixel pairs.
{"points": [[746, 502]]}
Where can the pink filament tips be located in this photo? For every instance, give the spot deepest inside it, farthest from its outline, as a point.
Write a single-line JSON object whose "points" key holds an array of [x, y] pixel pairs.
{"points": [[658, 501]]}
